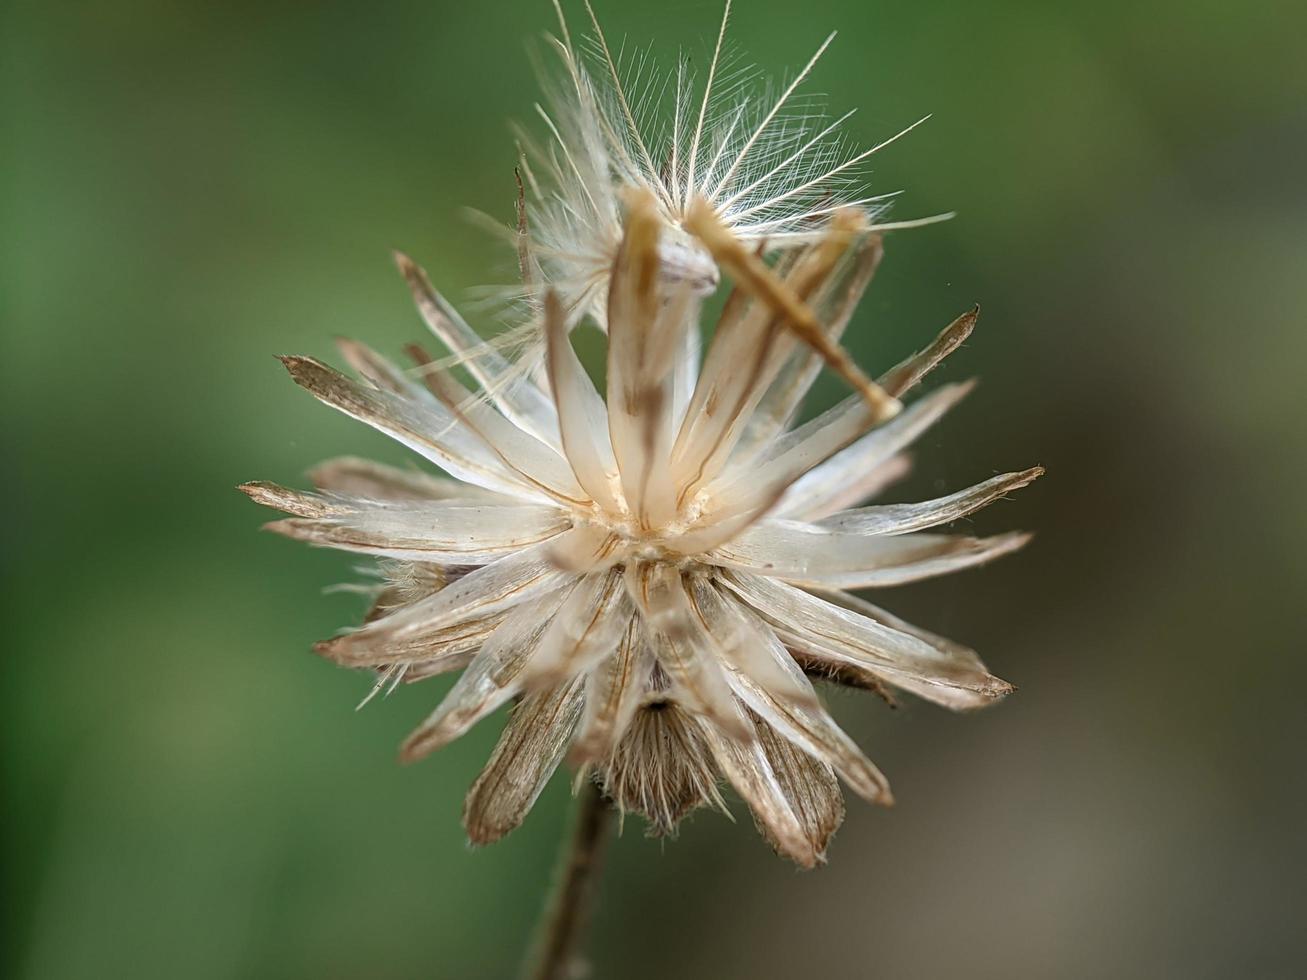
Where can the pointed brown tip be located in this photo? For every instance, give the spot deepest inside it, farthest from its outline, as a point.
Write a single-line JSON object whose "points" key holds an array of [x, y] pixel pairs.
{"points": [[413, 750], [280, 498], [254, 489], [307, 372], [483, 827], [424, 294], [332, 649], [960, 329], [418, 354], [406, 266], [1000, 689]]}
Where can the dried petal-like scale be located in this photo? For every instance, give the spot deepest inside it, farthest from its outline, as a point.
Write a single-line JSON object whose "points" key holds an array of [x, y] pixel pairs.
{"points": [[650, 576]]}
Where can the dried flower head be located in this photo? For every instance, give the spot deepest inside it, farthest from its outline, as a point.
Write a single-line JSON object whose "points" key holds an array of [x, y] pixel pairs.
{"points": [[652, 574], [773, 167]]}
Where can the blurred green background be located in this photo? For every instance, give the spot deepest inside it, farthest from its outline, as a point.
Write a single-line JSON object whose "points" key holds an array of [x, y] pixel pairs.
{"points": [[190, 188]]}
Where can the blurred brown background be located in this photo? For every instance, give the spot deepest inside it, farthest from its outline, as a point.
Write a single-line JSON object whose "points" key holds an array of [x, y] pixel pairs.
{"points": [[191, 188]]}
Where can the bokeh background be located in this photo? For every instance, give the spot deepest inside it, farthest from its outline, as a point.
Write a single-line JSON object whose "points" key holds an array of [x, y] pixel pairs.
{"points": [[189, 188]]}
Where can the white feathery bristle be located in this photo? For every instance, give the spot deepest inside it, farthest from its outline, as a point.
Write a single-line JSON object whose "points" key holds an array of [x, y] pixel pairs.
{"points": [[771, 164]]}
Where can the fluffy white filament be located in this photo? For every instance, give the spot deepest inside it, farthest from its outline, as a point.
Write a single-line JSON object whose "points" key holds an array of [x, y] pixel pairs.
{"points": [[769, 165]]}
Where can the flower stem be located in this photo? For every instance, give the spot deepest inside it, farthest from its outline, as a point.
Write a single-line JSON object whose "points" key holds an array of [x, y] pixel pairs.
{"points": [[566, 916]]}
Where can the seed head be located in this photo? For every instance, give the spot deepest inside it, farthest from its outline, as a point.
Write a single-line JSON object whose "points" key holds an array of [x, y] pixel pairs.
{"points": [[650, 574]]}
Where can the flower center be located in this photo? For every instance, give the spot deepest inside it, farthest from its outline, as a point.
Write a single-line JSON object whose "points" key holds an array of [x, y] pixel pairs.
{"points": [[641, 542]]}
